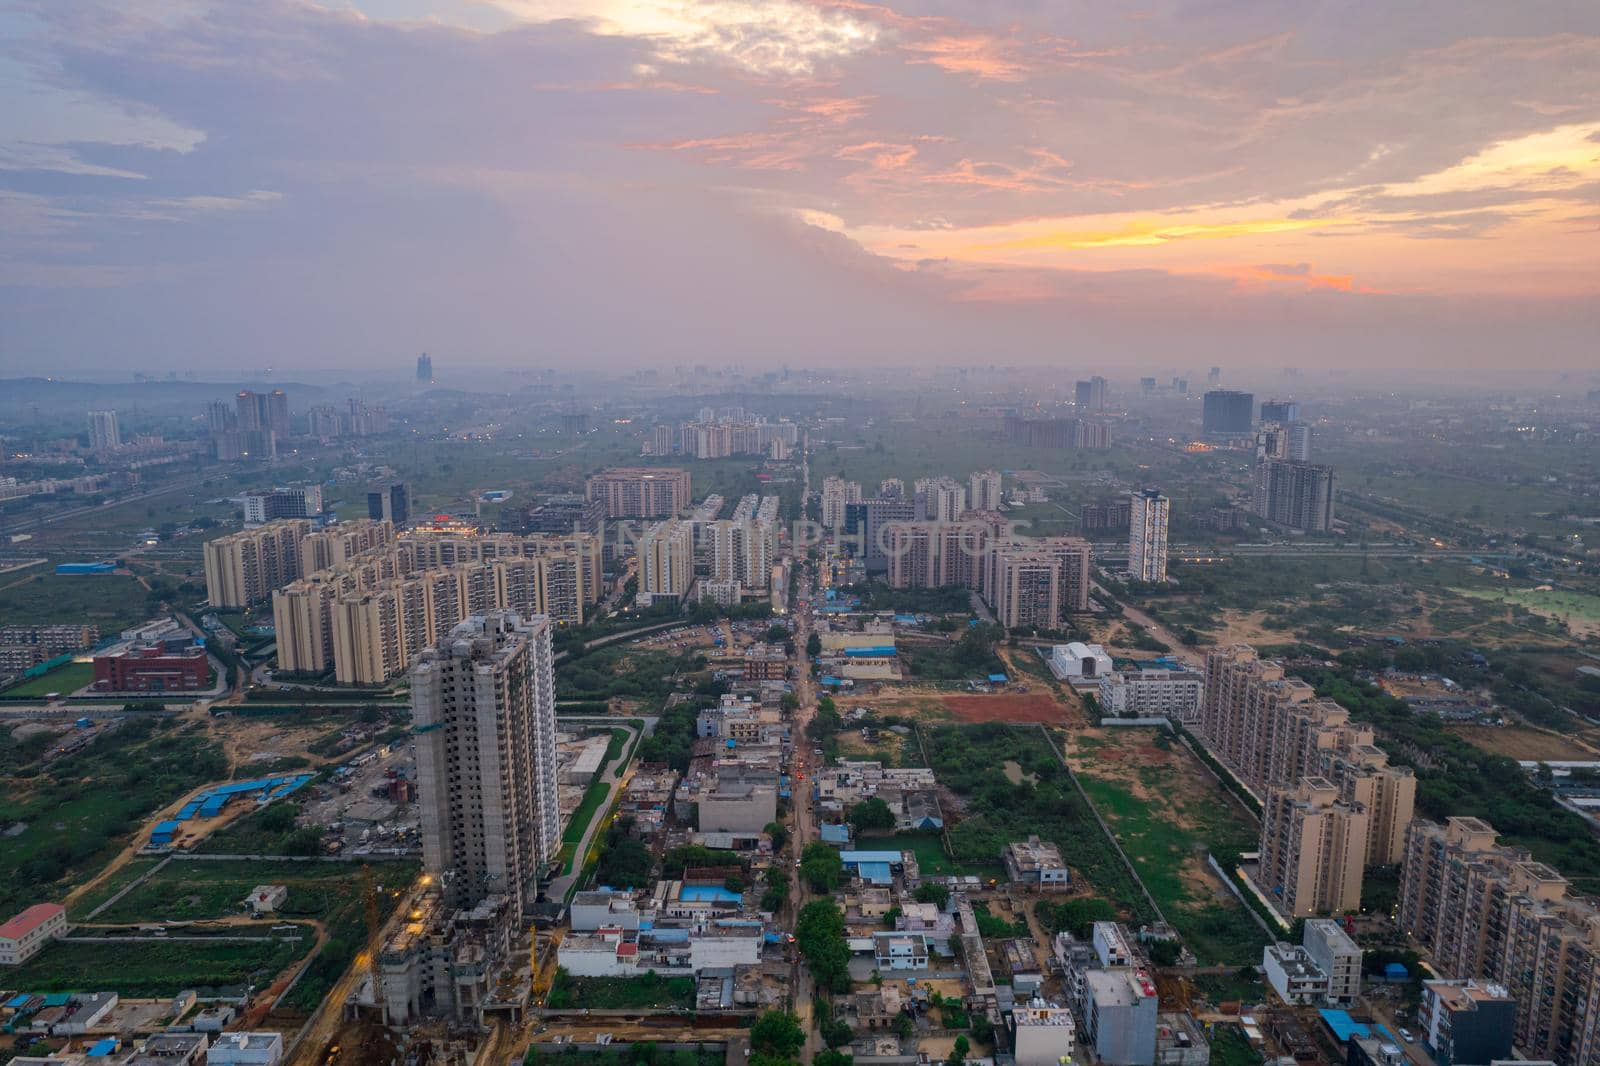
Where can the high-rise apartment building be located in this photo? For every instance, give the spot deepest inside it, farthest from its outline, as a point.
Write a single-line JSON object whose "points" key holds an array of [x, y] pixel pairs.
{"points": [[1038, 582], [640, 492], [666, 561], [390, 503], [1313, 849], [1282, 412], [425, 368], [263, 411], [273, 504], [985, 490], [937, 554], [1147, 535], [742, 552], [943, 499], [836, 493], [104, 436], [484, 717], [1227, 412], [866, 526], [1292, 494], [1090, 395], [242, 569], [1489, 911]]}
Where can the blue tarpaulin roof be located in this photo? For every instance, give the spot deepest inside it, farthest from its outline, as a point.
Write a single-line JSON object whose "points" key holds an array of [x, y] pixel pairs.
{"points": [[876, 872], [18, 1000], [836, 834], [101, 1048], [998, 678], [1345, 1028], [1395, 970]]}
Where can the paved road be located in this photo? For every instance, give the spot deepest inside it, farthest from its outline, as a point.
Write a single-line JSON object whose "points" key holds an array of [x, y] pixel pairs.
{"points": [[803, 768], [1180, 650], [616, 776]]}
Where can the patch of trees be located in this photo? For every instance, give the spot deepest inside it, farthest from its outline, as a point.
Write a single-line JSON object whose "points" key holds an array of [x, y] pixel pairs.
{"points": [[821, 867], [871, 813], [819, 931], [1074, 916]]}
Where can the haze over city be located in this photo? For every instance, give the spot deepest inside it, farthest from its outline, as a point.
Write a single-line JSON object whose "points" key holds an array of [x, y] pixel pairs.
{"points": [[194, 185]]}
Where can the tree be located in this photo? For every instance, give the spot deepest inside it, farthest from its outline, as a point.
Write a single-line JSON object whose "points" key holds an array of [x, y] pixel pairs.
{"points": [[871, 813], [831, 1057], [958, 1053], [904, 1027], [819, 933], [777, 1032], [928, 892], [891, 916], [821, 867], [813, 645], [779, 835]]}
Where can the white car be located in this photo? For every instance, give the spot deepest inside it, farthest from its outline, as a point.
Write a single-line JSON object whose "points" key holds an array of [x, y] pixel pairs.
{"points": [[1405, 1034]]}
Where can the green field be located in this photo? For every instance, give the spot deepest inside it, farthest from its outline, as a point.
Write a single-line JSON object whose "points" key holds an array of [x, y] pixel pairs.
{"points": [[1577, 609], [152, 968], [79, 810], [325, 892], [932, 859], [1167, 814], [65, 679], [595, 796], [621, 993], [111, 601]]}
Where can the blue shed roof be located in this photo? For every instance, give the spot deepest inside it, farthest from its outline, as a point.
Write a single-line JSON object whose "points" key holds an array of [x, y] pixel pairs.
{"points": [[851, 858], [836, 834], [875, 872]]}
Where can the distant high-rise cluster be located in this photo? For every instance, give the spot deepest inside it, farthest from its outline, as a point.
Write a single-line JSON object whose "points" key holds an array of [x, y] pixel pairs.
{"points": [[1075, 433], [666, 562], [985, 490], [1090, 395], [425, 369], [252, 429], [356, 419], [1147, 536], [718, 434], [390, 503], [837, 494]]}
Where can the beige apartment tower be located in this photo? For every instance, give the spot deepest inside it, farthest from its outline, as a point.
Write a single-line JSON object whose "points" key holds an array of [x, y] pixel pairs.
{"points": [[666, 561], [242, 569], [484, 718], [640, 492], [1313, 849]]}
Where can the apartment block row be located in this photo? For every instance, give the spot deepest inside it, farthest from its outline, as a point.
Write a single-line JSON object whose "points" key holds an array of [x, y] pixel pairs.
{"points": [[1332, 804], [1487, 911], [1028, 581]]}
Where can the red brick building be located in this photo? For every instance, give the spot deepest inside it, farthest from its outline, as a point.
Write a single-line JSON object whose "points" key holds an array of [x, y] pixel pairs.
{"points": [[166, 667]]}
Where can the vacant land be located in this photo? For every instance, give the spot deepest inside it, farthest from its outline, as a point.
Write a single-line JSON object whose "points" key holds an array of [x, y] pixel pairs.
{"points": [[1579, 611], [77, 812], [1522, 743], [111, 601], [1032, 708], [153, 967], [1167, 812], [65, 679], [621, 993], [932, 858], [326, 894]]}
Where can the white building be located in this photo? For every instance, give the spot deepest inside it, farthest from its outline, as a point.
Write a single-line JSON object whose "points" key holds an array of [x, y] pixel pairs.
{"points": [[245, 1049], [1171, 694], [1293, 974], [1336, 955], [23, 936], [265, 899], [836, 492], [269, 506], [984, 491], [900, 951], [1147, 536], [601, 910], [1044, 1034], [1079, 663]]}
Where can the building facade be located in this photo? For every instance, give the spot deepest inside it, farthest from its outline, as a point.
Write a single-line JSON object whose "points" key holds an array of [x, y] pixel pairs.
{"points": [[483, 714], [1147, 536], [640, 492]]}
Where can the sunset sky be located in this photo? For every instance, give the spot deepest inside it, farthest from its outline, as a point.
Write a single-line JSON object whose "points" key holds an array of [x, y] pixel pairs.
{"points": [[217, 186]]}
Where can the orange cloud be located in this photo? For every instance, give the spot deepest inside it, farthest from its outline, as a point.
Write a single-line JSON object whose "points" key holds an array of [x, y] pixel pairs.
{"points": [[980, 55]]}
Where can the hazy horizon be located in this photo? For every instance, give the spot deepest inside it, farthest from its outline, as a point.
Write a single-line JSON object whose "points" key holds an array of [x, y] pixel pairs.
{"points": [[612, 184]]}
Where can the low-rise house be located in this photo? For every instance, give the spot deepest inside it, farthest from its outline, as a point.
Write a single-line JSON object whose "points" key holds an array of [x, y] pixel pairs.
{"points": [[900, 951], [246, 1049], [1293, 974], [265, 899], [25, 935], [1042, 1034], [1036, 862]]}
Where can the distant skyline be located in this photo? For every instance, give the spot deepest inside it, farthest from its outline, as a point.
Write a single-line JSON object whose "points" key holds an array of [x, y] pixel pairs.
{"points": [[606, 184]]}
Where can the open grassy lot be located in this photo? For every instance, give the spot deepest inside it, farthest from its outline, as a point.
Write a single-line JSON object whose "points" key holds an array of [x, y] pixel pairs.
{"points": [[990, 807], [326, 893], [151, 968], [78, 811], [65, 679], [585, 812], [932, 859], [1167, 812], [111, 601], [621, 993]]}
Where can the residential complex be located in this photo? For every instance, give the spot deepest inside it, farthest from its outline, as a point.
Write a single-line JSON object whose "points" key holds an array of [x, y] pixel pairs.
{"points": [[270, 505], [1038, 582], [104, 435], [666, 562], [1313, 849], [242, 569], [640, 492], [1293, 494]]}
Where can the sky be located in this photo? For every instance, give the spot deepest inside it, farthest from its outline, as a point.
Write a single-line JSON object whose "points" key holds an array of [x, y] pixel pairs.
{"points": [[219, 187]]}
